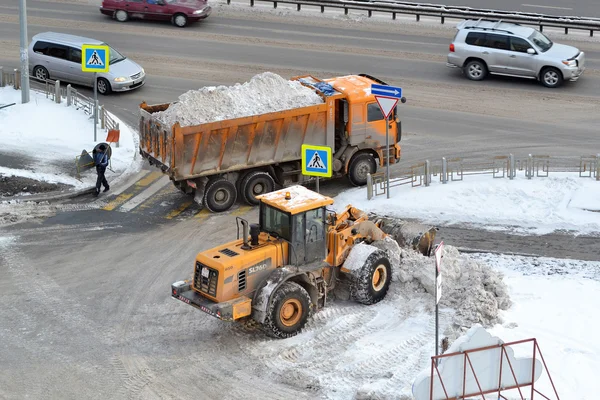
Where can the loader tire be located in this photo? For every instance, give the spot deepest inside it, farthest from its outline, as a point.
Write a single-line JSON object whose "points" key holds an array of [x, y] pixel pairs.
{"points": [[360, 166], [255, 184], [219, 195], [370, 283], [288, 311]]}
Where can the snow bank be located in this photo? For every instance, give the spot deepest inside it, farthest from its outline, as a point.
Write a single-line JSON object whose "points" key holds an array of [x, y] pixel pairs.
{"points": [[352, 351], [470, 287], [264, 93], [45, 137]]}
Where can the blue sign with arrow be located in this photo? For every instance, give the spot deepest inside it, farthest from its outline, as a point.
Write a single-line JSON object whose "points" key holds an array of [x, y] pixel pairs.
{"points": [[385, 90]]}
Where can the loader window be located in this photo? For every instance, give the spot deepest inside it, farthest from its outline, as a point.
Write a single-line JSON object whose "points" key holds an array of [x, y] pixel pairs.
{"points": [[275, 222]]}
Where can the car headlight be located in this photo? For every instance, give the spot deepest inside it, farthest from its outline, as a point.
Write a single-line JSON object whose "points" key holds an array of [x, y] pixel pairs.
{"points": [[198, 11], [143, 71], [570, 63], [120, 79]]}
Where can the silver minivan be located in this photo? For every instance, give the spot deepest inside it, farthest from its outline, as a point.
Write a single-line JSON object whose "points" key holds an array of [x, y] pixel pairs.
{"points": [[58, 56]]}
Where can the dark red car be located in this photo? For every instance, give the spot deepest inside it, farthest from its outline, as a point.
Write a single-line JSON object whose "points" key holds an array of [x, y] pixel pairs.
{"points": [[179, 12]]}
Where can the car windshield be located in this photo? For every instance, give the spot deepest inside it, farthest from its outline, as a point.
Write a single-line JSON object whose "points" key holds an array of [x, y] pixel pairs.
{"points": [[541, 41], [115, 56], [275, 222]]}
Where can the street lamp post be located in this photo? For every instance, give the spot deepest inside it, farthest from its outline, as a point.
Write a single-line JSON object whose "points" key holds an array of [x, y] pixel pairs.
{"points": [[24, 53]]}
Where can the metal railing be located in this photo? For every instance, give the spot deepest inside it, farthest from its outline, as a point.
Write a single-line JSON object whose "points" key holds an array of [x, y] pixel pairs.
{"points": [[443, 11], [54, 91], [456, 169]]}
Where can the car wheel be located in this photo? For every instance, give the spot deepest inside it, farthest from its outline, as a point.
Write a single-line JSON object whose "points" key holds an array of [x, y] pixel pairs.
{"points": [[104, 87], [180, 20], [551, 77], [41, 73], [476, 70], [121, 16], [360, 166]]}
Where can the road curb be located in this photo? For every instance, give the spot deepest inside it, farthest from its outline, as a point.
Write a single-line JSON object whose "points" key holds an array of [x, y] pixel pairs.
{"points": [[52, 196]]}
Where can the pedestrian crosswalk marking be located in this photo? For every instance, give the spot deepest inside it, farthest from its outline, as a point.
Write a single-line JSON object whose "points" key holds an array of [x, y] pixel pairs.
{"points": [[139, 185], [241, 211], [146, 194], [179, 209], [122, 198]]}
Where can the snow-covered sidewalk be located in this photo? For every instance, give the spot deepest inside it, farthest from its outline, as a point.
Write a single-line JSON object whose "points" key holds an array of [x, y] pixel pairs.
{"points": [[40, 140]]}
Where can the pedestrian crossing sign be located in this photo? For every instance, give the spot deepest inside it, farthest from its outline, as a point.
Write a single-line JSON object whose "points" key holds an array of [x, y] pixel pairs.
{"points": [[316, 160], [95, 58]]}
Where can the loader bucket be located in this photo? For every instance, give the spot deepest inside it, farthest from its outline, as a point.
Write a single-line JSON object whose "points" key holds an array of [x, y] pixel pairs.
{"points": [[417, 236]]}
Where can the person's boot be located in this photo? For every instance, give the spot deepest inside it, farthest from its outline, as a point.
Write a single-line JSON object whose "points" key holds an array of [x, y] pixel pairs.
{"points": [[96, 193], [106, 189]]}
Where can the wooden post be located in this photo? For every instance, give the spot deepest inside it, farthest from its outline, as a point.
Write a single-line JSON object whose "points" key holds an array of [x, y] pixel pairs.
{"points": [[69, 95], [102, 117]]}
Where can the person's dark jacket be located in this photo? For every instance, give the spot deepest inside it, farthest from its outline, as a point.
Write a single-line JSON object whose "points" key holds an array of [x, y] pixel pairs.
{"points": [[101, 159]]}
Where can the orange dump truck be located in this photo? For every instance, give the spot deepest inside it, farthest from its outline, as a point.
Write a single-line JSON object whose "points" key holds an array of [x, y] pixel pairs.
{"points": [[218, 162]]}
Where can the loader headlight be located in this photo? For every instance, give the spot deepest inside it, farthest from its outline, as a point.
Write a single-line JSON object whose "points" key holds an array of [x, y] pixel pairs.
{"points": [[120, 79]]}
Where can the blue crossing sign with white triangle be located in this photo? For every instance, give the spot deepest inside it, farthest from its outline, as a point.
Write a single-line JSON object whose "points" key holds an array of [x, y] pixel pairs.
{"points": [[95, 58], [316, 160]]}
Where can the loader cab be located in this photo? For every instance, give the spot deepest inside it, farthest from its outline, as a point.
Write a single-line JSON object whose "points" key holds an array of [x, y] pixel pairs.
{"points": [[298, 216]]}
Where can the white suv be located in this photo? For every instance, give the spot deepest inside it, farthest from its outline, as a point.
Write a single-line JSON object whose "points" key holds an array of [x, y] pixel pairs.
{"points": [[496, 47]]}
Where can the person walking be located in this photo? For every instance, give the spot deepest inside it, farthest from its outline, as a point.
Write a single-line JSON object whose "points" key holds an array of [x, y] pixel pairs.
{"points": [[101, 162]]}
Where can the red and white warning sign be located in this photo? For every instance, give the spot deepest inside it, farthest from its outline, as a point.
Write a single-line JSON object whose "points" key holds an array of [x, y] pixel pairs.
{"points": [[386, 104]]}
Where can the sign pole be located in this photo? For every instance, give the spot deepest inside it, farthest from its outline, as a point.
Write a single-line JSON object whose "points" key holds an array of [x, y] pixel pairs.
{"points": [[387, 146], [437, 321], [318, 184], [95, 104], [24, 52], [438, 295]]}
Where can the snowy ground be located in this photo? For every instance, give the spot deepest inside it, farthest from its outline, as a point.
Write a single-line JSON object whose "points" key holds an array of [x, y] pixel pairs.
{"points": [[562, 201], [553, 300], [41, 139]]}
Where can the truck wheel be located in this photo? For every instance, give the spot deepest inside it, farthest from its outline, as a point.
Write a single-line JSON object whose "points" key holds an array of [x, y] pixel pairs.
{"points": [[254, 184], [372, 281], [219, 195], [360, 166], [288, 312]]}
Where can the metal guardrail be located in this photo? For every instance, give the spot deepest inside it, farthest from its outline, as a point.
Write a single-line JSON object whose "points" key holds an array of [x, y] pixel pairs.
{"points": [[53, 90], [444, 11], [456, 169]]}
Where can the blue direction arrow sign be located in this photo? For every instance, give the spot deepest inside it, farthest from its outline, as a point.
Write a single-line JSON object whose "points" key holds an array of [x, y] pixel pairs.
{"points": [[385, 90], [316, 160]]}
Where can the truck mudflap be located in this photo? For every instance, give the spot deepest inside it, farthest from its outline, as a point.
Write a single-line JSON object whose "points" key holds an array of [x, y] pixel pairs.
{"points": [[226, 311], [153, 161]]}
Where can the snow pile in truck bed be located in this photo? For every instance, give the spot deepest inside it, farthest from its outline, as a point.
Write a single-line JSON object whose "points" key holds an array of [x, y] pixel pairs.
{"points": [[264, 93]]}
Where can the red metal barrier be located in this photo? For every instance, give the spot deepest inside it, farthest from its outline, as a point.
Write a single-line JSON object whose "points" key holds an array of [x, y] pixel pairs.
{"points": [[499, 389]]}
